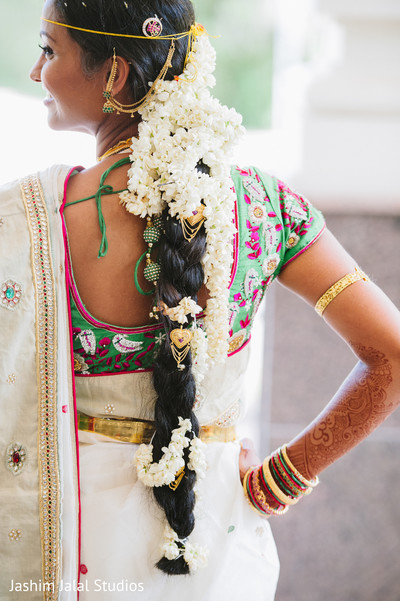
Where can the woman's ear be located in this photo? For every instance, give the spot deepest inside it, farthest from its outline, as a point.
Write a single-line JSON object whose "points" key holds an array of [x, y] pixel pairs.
{"points": [[120, 67]]}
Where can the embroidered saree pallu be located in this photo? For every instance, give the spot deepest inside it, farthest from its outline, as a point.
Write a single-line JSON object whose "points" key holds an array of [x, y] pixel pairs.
{"points": [[38, 480]]}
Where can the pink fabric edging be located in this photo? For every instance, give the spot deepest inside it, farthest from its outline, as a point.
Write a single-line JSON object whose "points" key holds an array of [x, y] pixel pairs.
{"points": [[67, 282], [114, 373], [235, 248], [241, 348]]}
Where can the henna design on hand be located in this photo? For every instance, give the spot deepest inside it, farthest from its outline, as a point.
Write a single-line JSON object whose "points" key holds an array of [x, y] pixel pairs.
{"points": [[359, 406]]}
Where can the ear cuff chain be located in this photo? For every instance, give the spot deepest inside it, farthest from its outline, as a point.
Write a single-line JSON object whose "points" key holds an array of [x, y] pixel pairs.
{"points": [[112, 105]]}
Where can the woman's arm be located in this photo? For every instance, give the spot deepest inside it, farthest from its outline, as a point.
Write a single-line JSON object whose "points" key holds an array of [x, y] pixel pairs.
{"points": [[369, 322]]}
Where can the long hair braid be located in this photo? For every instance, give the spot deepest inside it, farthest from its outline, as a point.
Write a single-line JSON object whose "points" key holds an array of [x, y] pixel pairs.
{"points": [[181, 275]]}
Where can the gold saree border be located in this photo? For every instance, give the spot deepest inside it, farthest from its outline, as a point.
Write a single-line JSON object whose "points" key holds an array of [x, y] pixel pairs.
{"points": [[46, 344]]}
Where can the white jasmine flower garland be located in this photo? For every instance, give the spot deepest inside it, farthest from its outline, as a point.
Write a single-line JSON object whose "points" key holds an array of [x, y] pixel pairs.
{"points": [[183, 125], [164, 472], [174, 547]]}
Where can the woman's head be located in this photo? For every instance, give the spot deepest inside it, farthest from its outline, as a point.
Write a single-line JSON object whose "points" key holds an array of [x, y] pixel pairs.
{"points": [[82, 61]]}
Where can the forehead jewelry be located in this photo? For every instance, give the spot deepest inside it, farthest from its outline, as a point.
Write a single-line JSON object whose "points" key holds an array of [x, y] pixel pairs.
{"points": [[152, 28]]}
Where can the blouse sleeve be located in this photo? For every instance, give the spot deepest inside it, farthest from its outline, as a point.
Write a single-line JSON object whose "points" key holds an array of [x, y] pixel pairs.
{"points": [[275, 225], [303, 223]]}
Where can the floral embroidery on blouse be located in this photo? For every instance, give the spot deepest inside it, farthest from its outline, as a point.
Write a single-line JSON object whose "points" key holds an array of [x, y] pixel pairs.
{"points": [[275, 224]]}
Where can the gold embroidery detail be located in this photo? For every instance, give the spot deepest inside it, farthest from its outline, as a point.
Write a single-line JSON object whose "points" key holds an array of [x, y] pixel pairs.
{"points": [[109, 409], [236, 341], [14, 535], [16, 456], [229, 417], [12, 378], [46, 340], [10, 294]]}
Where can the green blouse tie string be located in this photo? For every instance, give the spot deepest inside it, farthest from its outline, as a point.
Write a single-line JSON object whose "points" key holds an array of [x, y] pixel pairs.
{"points": [[104, 190]]}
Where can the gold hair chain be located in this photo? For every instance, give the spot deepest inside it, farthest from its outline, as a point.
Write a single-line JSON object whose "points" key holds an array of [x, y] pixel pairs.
{"points": [[112, 105]]}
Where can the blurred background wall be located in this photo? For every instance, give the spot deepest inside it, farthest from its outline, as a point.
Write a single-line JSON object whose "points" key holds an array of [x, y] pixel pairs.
{"points": [[318, 84]]}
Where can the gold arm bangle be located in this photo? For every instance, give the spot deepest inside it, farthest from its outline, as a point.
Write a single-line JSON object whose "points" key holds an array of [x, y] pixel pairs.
{"points": [[284, 499], [310, 483], [337, 288]]}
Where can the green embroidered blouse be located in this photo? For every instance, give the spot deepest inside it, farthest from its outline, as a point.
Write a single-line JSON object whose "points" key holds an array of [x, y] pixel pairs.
{"points": [[274, 225]]}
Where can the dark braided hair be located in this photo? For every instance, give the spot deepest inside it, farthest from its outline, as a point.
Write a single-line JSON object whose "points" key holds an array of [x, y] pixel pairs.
{"points": [[181, 269], [181, 275]]}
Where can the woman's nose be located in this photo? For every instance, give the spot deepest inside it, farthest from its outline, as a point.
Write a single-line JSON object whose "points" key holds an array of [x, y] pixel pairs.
{"points": [[36, 71]]}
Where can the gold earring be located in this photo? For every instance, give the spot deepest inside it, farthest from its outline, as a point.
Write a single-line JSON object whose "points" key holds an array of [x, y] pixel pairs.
{"points": [[108, 107], [112, 104]]}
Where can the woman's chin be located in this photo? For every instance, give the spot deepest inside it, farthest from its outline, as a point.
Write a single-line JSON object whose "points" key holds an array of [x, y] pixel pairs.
{"points": [[53, 120]]}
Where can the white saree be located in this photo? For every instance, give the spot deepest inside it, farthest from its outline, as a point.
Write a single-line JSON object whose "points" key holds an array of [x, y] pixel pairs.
{"points": [[109, 548]]}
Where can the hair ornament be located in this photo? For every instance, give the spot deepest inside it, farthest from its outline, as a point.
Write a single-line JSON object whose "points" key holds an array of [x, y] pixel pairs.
{"points": [[191, 225], [180, 345], [178, 479], [188, 125], [152, 27], [169, 471], [186, 306]]}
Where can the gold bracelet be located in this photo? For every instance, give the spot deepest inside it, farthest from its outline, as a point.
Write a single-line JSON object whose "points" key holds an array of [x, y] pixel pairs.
{"points": [[279, 494], [309, 483], [245, 479], [337, 288], [262, 499], [294, 489]]}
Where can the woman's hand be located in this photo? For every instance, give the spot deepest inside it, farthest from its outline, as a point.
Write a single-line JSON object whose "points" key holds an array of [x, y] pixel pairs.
{"points": [[248, 456]]}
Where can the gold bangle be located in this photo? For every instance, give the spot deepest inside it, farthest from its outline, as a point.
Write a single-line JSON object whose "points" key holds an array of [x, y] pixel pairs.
{"points": [[260, 496], [245, 479], [295, 491], [279, 494], [309, 483], [337, 288]]}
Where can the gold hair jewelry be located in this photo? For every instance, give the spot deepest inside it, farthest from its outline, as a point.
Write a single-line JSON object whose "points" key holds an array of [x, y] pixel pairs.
{"points": [[112, 104], [337, 288], [194, 31], [178, 479], [180, 345], [191, 225], [122, 145], [152, 28]]}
